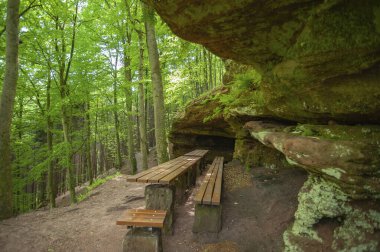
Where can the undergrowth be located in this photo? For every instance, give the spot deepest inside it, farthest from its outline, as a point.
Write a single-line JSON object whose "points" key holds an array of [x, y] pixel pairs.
{"points": [[245, 89], [96, 183]]}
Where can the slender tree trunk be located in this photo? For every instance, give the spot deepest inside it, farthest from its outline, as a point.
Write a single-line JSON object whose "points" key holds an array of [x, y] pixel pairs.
{"points": [[66, 125], [128, 105], [142, 115], [101, 158], [52, 193], [119, 161], [205, 70], [210, 70], [88, 144], [158, 93], [6, 108]]}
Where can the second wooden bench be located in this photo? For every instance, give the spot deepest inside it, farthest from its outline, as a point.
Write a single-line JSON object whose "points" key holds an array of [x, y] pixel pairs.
{"points": [[208, 210], [145, 230]]}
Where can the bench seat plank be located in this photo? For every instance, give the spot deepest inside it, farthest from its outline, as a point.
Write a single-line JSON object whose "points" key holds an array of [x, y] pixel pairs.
{"points": [[215, 200], [143, 218], [211, 184], [210, 191], [199, 196]]}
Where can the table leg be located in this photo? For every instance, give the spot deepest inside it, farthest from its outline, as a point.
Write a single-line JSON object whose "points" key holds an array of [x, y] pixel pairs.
{"points": [[161, 197]]}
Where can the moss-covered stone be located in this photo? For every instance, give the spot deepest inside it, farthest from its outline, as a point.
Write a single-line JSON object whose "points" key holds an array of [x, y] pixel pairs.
{"points": [[319, 60], [207, 219], [348, 156], [319, 199]]}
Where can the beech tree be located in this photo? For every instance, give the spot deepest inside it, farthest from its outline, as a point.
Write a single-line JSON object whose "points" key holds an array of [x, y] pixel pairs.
{"points": [[6, 108], [158, 93]]}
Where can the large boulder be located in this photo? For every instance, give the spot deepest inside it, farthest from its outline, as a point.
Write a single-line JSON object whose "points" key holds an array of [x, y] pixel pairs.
{"points": [[348, 156]]}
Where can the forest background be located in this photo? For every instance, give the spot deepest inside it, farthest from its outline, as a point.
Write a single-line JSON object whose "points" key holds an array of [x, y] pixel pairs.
{"points": [[88, 93]]}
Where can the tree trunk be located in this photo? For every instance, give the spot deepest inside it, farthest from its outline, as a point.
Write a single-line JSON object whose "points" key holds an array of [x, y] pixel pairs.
{"points": [[142, 114], [210, 70], [66, 125], [119, 161], [158, 93], [6, 108], [88, 144], [52, 193], [128, 105], [205, 78]]}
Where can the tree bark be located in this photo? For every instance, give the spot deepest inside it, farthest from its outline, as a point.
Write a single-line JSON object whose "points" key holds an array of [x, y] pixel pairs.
{"points": [[158, 93], [142, 114], [6, 108], [52, 192], [88, 143], [65, 91], [210, 70], [119, 161], [128, 105]]}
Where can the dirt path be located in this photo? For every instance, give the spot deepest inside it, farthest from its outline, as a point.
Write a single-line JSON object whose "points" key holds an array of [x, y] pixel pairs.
{"points": [[88, 226], [257, 207]]}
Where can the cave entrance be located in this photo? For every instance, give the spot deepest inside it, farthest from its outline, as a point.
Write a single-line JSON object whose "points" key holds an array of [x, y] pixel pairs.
{"points": [[218, 145]]}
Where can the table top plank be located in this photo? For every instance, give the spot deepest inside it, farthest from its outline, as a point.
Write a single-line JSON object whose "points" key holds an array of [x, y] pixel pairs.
{"points": [[191, 161], [168, 171], [135, 177], [164, 167], [198, 153], [202, 189], [156, 177]]}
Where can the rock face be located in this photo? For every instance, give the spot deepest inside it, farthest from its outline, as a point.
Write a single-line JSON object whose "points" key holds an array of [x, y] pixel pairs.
{"points": [[306, 86], [319, 59], [349, 156]]}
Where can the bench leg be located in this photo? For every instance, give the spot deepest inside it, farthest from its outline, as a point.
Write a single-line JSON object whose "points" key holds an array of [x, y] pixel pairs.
{"points": [[143, 239], [207, 218], [192, 175], [161, 197]]}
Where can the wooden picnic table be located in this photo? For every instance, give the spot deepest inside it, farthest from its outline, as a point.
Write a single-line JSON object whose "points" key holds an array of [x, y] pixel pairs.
{"points": [[169, 182]]}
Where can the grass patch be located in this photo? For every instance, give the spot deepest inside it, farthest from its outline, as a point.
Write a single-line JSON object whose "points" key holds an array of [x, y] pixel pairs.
{"points": [[96, 183]]}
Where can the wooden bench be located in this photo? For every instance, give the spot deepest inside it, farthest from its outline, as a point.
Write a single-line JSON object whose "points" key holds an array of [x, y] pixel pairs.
{"points": [[208, 210], [145, 232]]}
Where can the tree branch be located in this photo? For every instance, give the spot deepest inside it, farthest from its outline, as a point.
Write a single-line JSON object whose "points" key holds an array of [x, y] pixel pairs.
{"points": [[30, 6]]}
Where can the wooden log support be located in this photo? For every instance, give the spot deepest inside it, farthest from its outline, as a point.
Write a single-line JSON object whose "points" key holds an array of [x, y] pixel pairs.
{"points": [[143, 239], [162, 197]]}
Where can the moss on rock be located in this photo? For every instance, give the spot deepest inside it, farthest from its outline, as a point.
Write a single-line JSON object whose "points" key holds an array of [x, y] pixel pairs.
{"points": [[319, 199]]}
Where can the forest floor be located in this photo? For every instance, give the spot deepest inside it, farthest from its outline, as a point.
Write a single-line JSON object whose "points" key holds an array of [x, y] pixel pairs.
{"points": [[257, 207]]}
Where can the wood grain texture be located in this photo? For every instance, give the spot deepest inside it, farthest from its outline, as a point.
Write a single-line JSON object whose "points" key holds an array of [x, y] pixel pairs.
{"points": [[211, 189], [143, 218]]}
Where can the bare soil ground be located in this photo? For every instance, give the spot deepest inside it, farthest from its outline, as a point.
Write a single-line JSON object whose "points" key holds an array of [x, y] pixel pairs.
{"points": [[257, 207]]}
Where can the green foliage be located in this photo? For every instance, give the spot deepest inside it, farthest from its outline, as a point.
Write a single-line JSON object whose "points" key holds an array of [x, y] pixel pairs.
{"points": [[248, 80], [244, 89], [106, 37], [95, 184]]}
